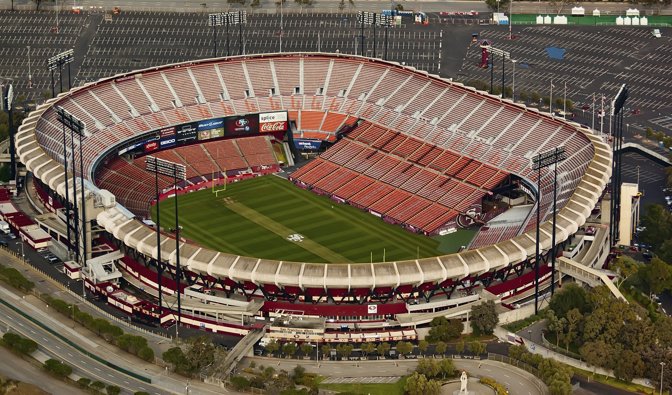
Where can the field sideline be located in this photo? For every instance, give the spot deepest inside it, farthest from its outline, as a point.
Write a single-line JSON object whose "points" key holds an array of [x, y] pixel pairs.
{"points": [[258, 217]]}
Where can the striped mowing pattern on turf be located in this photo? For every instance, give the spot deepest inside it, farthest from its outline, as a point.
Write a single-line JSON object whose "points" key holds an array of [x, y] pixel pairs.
{"points": [[334, 232]]}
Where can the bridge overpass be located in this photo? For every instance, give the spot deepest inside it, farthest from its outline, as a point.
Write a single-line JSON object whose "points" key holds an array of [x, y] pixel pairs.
{"points": [[588, 275], [647, 153]]}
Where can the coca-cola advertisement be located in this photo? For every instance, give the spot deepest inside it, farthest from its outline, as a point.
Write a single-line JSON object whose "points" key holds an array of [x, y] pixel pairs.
{"points": [[271, 122], [241, 125]]}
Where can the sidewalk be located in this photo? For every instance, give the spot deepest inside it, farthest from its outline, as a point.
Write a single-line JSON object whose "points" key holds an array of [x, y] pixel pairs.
{"points": [[537, 348]]}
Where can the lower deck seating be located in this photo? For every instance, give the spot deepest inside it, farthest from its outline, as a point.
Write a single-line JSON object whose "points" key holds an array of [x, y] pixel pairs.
{"points": [[134, 187]]}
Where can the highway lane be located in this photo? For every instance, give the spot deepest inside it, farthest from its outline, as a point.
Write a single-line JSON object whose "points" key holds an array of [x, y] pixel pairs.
{"points": [[82, 365]]}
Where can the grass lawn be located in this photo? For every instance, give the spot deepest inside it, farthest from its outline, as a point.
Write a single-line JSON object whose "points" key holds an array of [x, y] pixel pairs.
{"points": [[257, 217], [372, 389]]}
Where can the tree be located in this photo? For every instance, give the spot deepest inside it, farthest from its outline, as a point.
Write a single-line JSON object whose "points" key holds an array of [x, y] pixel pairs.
{"points": [[306, 349], [383, 349], [441, 348], [625, 266], [416, 384], [368, 348], [657, 276], [200, 353], [429, 367], [326, 351], [112, 390], [289, 349], [57, 368], [597, 353], [298, 374], [447, 368], [422, 346], [404, 348], [555, 324], [535, 97], [273, 347], [239, 383], [658, 223], [146, 353], [495, 5], [574, 318], [345, 350], [628, 366], [484, 318], [443, 329], [459, 347], [570, 296], [560, 386], [476, 348], [523, 96]]}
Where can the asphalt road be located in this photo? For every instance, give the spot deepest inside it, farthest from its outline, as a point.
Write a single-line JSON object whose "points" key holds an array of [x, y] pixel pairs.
{"points": [[83, 365], [17, 368]]}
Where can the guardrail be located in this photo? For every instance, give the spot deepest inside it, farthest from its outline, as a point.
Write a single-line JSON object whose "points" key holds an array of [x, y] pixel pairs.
{"points": [[543, 389]]}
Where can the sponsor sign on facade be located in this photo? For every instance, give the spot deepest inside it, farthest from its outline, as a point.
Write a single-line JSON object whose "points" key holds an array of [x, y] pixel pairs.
{"points": [[270, 122], [186, 133], [307, 144], [211, 124], [372, 309], [241, 126], [151, 146]]}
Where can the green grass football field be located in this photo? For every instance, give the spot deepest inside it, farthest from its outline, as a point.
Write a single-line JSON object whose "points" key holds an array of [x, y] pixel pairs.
{"points": [[269, 217]]}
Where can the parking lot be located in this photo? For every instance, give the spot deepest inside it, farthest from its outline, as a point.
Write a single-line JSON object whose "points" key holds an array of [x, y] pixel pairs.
{"points": [[592, 60]]}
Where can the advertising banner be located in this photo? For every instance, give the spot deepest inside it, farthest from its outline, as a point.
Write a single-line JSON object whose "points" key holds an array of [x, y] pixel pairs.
{"points": [[167, 132], [210, 134], [186, 133], [273, 122], [216, 123], [151, 146], [241, 125], [307, 144]]}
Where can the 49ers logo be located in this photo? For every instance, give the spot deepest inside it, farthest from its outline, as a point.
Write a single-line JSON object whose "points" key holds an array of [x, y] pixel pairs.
{"points": [[273, 127]]}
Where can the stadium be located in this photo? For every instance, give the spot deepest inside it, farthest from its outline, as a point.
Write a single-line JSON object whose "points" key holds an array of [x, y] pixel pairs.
{"points": [[425, 154]]}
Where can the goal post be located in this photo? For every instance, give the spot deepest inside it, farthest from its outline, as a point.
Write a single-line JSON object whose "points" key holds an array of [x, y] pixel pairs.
{"points": [[216, 189]]}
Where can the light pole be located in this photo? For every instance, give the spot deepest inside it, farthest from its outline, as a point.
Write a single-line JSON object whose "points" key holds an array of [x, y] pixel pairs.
{"points": [[57, 61], [662, 366], [505, 55], [7, 100], [30, 74], [513, 81]]}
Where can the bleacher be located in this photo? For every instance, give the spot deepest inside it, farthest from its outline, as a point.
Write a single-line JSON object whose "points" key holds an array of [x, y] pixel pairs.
{"points": [[134, 186]]}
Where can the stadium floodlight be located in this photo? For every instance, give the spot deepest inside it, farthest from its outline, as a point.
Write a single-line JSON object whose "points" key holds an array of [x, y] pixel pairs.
{"points": [[542, 160], [227, 18], [369, 19], [75, 125], [178, 172], [57, 62], [7, 102], [505, 55], [385, 21], [616, 131]]}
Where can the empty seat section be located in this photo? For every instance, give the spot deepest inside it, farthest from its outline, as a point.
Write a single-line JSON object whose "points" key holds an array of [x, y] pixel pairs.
{"points": [[333, 121], [354, 186], [372, 194], [409, 208], [401, 173], [335, 180], [287, 72], [407, 147], [390, 201], [311, 120], [366, 158], [419, 181], [444, 161]]}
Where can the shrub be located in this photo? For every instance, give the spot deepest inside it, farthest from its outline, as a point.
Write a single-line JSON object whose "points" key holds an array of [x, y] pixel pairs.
{"points": [[57, 368], [98, 385], [240, 383], [146, 353], [84, 382], [19, 344], [113, 390], [499, 389]]}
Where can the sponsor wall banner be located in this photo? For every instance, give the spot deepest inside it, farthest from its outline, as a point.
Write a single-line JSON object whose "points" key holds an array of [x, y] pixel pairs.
{"points": [[241, 126], [273, 122], [372, 309], [187, 133], [210, 134], [211, 124], [167, 132], [167, 142], [151, 146], [131, 147], [307, 144]]}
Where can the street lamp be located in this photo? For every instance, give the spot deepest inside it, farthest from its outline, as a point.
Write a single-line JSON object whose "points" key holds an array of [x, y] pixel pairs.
{"points": [[513, 81], [496, 51], [30, 75], [6, 102], [662, 366]]}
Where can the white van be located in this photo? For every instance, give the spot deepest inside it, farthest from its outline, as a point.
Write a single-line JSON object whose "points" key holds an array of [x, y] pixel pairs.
{"points": [[4, 227]]}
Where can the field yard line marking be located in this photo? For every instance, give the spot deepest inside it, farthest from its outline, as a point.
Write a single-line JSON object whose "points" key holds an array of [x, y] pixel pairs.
{"points": [[283, 231]]}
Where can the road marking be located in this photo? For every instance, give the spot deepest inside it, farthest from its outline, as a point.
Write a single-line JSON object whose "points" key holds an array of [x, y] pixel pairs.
{"points": [[20, 324], [70, 355], [98, 370], [126, 382], [57, 347], [32, 331], [45, 339]]}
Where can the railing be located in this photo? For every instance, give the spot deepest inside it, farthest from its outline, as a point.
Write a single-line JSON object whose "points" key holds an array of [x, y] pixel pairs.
{"points": [[543, 389]]}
